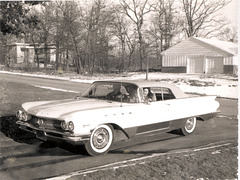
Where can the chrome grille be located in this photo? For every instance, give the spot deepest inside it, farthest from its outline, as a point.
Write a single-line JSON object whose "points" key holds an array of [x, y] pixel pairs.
{"points": [[51, 124]]}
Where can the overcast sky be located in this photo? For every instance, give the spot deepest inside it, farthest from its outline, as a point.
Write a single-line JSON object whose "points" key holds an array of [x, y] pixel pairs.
{"points": [[231, 11]]}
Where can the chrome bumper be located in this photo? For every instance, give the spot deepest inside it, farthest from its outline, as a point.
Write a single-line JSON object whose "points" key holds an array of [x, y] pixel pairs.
{"points": [[45, 134]]}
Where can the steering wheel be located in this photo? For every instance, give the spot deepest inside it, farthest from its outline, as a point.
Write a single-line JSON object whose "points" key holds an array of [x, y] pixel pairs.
{"points": [[125, 97]]}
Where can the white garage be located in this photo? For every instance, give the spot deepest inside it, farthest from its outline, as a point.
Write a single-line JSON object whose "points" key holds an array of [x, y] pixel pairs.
{"points": [[199, 55]]}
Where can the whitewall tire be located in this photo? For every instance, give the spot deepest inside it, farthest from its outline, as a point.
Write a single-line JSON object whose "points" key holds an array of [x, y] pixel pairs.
{"points": [[189, 126], [100, 141]]}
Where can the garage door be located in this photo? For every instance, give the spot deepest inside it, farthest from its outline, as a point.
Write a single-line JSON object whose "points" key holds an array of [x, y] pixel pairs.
{"points": [[214, 65], [195, 65]]}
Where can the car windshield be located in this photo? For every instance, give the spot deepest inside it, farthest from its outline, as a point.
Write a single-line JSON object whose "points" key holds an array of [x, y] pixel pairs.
{"points": [[114, 91]]}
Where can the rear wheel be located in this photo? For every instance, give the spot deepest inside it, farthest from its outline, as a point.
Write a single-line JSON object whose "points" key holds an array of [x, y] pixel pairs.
{"points": [[100, 141], [189, 126]]}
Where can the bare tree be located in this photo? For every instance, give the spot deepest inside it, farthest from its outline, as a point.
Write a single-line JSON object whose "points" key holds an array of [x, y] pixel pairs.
{"points": [[164, 26], [229, 34], [42, 35], [164, 23], [58, 35], [97, 21], [71, 23], [46, 25], [131, 44], [33, 37], [68, 33], [120, 30], [136, 11], [199, 15], [92, 26]]}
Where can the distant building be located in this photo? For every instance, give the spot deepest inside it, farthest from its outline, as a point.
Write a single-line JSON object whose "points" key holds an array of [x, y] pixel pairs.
{"points": [[27, 53], [20, 53], [199, 55]]}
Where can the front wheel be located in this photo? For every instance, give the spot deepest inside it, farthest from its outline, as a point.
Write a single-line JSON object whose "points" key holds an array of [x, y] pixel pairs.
{"points": [[100, 141], [189, 126]]}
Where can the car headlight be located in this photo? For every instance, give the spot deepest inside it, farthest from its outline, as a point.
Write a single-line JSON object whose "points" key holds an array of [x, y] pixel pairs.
{"points": [[67, 125], [64, 125], [23, 116], [19, 114], [70, 126]]}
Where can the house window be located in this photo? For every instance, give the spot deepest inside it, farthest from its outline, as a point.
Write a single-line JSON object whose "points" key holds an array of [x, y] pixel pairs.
{"points": [[211, 64]]}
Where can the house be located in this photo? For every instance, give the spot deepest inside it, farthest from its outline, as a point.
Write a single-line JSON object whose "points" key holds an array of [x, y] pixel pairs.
{"points": [[20, 53], [27, 53], [199, 55]]}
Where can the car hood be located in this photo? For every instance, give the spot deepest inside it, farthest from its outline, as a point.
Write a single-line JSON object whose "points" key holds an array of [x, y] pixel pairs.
{"points": [[58, 109]]}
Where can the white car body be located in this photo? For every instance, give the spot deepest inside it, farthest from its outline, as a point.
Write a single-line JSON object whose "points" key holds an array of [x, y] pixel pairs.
{"points": [[85, 114]]}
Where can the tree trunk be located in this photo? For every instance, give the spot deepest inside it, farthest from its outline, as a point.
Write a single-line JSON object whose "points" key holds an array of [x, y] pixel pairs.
{"points": [[141, 47], [4, 50], [57, 54], [46, 55], [123, 55], [36, 54]]}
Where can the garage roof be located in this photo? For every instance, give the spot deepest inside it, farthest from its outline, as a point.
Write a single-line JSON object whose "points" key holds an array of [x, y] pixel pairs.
{"points": [[202, 46]]}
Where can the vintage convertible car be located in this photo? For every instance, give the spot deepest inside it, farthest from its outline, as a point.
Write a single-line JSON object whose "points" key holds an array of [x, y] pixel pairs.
{"points": [[132, 107]]}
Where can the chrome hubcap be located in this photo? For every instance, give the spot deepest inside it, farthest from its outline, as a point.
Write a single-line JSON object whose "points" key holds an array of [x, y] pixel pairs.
{"points": [[100, 138], [189, 124]]}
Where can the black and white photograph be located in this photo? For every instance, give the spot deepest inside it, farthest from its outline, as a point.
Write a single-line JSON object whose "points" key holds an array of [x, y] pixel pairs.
{"points": [[119, 89]]}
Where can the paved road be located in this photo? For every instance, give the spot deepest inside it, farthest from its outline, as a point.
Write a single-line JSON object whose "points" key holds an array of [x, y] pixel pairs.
{"points": [[29, 158], [59, 84]]}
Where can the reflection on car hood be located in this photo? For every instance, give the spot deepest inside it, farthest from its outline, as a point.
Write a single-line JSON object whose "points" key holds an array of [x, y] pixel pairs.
{"points": [[56, 109]]}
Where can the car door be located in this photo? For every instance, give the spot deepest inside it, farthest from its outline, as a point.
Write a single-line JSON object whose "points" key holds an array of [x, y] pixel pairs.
{"points": [[155, 116]]}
